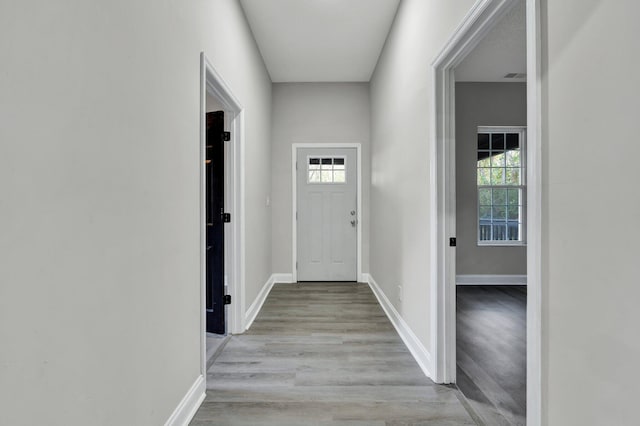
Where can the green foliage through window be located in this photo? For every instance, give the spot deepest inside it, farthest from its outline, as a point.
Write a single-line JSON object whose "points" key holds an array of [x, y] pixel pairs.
{"points": [[500, 180]]}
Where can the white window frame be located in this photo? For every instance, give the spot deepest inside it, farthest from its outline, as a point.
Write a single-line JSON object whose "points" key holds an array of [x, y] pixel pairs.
{"points": [[522, 132]]}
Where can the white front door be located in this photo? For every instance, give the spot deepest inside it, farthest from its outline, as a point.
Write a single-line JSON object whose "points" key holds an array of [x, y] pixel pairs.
{"points": [[326, 214]]}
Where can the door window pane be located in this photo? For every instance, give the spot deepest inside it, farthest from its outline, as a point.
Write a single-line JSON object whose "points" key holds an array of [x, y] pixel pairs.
{"points": [[326, 170]]}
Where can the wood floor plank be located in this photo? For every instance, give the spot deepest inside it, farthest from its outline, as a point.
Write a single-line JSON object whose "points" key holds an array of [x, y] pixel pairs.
{"points": [[323, 354], [491, 351]]}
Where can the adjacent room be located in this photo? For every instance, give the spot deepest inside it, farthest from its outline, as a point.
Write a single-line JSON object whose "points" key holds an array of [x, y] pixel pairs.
{"points": [[491, 205]]}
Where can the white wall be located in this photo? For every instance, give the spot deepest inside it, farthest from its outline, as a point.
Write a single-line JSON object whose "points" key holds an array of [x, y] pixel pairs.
{"points": [[590, 211], [315, 113], [213, 104], [99, 176], [401, 99], [483, 104]]}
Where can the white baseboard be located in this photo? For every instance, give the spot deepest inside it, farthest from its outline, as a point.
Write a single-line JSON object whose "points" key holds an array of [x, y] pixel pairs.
{"points": [[417, 349], [491, 280], [255, 307], [187, 408], [283, 278]]}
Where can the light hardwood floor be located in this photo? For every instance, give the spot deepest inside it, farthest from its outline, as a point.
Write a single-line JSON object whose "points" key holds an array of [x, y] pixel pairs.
{"points": [[323, 354], [492, 352]]}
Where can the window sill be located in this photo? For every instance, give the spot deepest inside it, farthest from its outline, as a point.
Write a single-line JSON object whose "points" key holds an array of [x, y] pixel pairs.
{"points": [[501, 244]]}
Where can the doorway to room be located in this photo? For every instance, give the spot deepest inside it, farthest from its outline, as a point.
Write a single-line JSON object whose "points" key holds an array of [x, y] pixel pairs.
{"points": [[215, 220], [490, 116], [216, 246], [222, 219], [496, 214]]}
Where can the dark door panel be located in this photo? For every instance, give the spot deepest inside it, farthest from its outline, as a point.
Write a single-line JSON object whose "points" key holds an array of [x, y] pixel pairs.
{"points": [[215, 225]]}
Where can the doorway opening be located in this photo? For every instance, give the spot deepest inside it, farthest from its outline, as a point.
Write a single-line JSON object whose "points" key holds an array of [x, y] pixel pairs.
{"points": [[216, 285], [481, 20], [326, 212], [221, 212]]}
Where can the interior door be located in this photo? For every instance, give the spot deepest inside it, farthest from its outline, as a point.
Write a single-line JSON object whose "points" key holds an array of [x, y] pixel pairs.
{"points": [[214, 169], [326, 214]]}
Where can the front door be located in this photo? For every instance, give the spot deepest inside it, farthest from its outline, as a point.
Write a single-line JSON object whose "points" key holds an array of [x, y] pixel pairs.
{"points": [[214, 170], [326, 214]]}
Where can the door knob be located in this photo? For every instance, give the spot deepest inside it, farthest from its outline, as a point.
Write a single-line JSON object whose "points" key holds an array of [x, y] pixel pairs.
{"points": [[354, 222]]}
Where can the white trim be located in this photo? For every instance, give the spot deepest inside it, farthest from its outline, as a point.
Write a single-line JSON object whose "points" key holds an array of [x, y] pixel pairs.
{"points": [[480, 19], [499, 129], [283, 278], [491, 280], [534, 215], [411, 341], [255, 307], [212, 82], [189, 404], [294, 202]]}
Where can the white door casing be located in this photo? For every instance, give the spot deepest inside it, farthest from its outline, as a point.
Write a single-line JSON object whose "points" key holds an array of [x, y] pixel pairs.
{"points": [[327, 214]]}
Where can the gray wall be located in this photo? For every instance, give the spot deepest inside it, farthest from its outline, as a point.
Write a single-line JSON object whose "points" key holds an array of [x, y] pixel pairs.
{"points": [[315, 113], [590, 212], [483, 104], [401, 127], [100, 207]]}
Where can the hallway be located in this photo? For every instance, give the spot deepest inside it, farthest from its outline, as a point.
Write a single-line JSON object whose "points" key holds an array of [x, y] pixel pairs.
{"points": [[323, 354]]}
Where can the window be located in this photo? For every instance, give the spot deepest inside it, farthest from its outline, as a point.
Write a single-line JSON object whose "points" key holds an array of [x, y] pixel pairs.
{"points": [[501, 185], [326, 170]]}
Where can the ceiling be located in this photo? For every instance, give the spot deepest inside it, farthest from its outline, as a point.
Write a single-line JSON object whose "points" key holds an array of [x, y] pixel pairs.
{"points": [[502, 51], [320, 40]]}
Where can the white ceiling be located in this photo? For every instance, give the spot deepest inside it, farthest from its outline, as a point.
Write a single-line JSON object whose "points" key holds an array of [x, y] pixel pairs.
{"points": [[320, 40], [502, 51]]}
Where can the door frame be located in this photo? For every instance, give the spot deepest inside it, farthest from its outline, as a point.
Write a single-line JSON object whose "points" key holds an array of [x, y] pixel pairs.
{"points": [[294, 204], [479, 20], [212, 82]]}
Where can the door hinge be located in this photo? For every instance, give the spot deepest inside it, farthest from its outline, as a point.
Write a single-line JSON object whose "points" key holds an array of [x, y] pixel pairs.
{"points": [[226, 217], [296, 265], [227, 299], [296, 215], [452, 242], [226, 136]]}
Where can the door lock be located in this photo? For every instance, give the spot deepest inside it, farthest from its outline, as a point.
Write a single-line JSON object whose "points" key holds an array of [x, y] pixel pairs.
{"points": [[353, 212], [354, 222]]}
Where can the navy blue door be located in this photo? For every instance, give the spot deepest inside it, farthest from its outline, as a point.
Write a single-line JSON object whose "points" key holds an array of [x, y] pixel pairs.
{"points": [[215, 223]]}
